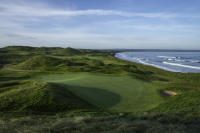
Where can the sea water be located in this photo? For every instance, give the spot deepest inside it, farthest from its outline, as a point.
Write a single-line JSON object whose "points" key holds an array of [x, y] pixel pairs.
{"points": [[171, 61]]}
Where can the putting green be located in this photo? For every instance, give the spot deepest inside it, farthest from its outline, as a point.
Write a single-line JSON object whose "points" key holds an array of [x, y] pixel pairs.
{"points": [[115, 92]]}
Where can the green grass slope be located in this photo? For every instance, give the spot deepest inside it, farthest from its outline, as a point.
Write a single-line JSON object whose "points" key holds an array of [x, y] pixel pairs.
{"points": [[18, 48], [185, 104], [114, 92], [71, 51], [40, 63], [34, 97], [46, 63]]}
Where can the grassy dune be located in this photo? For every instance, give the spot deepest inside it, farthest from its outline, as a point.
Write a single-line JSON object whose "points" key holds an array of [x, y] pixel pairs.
{"points": [[34, 97]]}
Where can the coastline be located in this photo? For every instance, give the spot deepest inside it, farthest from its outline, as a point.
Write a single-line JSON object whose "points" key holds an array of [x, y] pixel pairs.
{"points": [[120, 55]]}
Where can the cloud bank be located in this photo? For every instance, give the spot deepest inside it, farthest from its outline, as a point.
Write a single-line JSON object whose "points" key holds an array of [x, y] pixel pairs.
{"points": [[27, 10], [39, 24]]}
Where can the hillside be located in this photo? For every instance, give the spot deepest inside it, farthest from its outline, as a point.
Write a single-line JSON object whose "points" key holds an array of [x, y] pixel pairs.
{"points": [[71, 51], [51, 50], [39, 63], [92, 91], [48, 63], [35, 97]]}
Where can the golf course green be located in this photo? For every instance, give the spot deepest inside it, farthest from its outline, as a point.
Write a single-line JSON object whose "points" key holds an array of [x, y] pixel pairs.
{"points": [[114, 92]]}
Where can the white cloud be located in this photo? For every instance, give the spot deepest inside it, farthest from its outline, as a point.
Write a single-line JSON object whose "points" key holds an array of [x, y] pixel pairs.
{"points": [[121, 33], [39, 11]]}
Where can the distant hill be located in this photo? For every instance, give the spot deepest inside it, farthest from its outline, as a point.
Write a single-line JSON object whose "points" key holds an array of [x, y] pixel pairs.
{"points": [[39, 63], [19, 48], [35, 97], [71, 51], [45, 63], [44, 50]]}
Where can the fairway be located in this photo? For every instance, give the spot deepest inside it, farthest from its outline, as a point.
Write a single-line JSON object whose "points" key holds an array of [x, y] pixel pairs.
{"points": [[115, 92]]}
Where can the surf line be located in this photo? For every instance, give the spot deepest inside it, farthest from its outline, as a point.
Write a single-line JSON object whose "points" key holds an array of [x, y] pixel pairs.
{"points": [[180, 65]]}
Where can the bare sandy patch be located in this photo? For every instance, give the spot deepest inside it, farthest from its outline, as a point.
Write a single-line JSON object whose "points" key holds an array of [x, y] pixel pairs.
{"points": [[168, 93]]}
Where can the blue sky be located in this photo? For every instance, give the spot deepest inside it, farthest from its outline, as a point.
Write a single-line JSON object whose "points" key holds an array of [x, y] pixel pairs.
{"points": [[99, 24]]}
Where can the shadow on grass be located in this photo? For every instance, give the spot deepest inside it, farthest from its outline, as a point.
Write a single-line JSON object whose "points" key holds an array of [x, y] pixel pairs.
{"points": [[99, 97]]}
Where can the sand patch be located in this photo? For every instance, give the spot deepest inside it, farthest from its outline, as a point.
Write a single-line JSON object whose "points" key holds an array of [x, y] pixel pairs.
{"points": [[168, 93]]}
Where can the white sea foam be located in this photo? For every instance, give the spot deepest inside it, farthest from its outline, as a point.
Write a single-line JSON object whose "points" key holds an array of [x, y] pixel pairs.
{"points": [[158, 66], [181, 65], [166, 57], [140, 60], [175, 63], [180, 60], [195, 61]]}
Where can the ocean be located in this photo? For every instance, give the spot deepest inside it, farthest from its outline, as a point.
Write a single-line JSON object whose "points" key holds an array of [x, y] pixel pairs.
{"points": [[184, 62]]}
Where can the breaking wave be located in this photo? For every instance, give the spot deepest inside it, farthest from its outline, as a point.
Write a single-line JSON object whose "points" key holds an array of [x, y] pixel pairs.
{"points": [[171, 61], [181, 65]]}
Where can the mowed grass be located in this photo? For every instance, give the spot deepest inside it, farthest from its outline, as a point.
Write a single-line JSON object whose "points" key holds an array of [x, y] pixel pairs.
{"points": [[120, 93]]}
